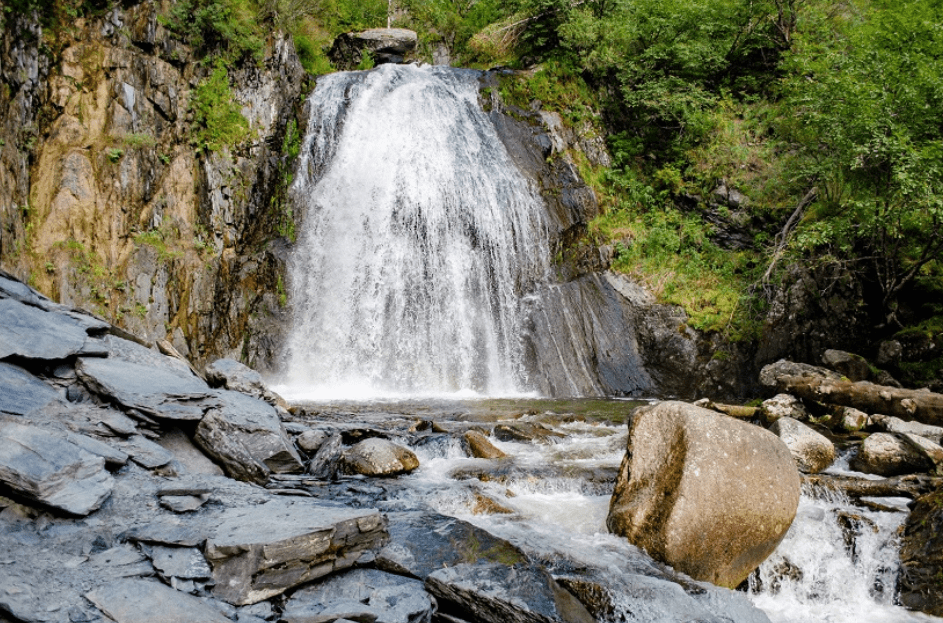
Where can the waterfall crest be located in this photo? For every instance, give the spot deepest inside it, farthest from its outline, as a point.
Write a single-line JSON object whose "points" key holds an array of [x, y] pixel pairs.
{"points": [[421, 238]]}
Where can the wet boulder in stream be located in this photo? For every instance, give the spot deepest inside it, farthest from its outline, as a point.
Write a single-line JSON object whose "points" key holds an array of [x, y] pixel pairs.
{"points": [[812, 450], [707, 494], [378, 457]]}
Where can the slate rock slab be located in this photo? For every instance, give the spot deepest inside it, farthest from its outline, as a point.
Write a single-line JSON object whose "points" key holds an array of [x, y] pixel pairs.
{"points": [[145, 452], [361, 593], [497, 593], [46, 467], [149, 601], [421, 543], [246, 436], [232, 375], [158, 392], [186, 563], [32, 333], [261, 551], [21, 392]]}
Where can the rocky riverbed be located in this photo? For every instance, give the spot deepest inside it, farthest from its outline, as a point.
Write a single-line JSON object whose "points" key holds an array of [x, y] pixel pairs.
{"points": [[134, 489]]}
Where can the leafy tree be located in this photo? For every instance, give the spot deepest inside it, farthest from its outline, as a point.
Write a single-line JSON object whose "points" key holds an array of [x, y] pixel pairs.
{"points": [[865, 92]]}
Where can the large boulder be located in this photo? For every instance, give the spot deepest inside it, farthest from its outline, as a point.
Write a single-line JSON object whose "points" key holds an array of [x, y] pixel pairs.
{"points": [[385, 45], [812, 450], [45, 466], [772, 374], [891, 424], [232, 375], [379, 457], [886, 454], [31, 333], [708, 494], [247, 437], [22, 392], [262, 551]]}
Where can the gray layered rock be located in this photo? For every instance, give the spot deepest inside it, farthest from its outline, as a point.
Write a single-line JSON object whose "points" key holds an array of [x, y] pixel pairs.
{"points": [[31, 333], [48, 468], [148, 601], [22, 392], [385, 45], [498, 593], [853, 367], [361, 594], [783, 405], [262, 551], [158, 392], [247, 437], [186, 563], [232, 375], [710, 495], [326, 461], [886, 454], [145, 452], [378, 457], [421, 543], [812, 450]]}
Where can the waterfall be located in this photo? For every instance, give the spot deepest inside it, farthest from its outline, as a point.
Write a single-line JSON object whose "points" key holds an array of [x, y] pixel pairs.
{"points": [[421, 238]]}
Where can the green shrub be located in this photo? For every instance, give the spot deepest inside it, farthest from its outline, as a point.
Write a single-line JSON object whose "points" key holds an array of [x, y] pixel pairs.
{"points": [[217, 118], [230, 29]]}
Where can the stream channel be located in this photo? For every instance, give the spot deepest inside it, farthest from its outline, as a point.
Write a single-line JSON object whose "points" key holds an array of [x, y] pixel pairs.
{"points": [[837, 564]]}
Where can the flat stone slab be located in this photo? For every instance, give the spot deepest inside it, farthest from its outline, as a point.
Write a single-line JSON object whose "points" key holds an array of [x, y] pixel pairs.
{"points": [[145, 452], [46, 467], [22, 392], [261, 551], [499, 593], [186, 563], [421, 543], [158, 392], [246, 436], [149, 601], [31, 333], [358, 594]]}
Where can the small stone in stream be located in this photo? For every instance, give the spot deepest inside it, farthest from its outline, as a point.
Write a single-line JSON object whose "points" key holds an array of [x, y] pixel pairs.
{"points": [[527, 432], [46, 467], [311, 440], [183, 503], [261, 551], [186, 563], [480, 447], [158, 392], [378, 457], [931, 451], [853, 420], [812, 450], [23, 392], [31, 333], [497, 593], [149, 601], [360, 593], [247, 437]]}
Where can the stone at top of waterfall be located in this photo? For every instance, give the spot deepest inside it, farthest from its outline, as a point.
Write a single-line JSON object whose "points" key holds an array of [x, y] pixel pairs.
{"points": [[812, 450], [852, 366], [783, 405], [772, 373], [480, 447], [708, 494], [886, 454], [238, 377], [385, 45], [379, 457]]}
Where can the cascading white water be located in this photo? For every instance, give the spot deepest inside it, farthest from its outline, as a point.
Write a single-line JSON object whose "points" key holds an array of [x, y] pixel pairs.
{"points": [[420, 239]]}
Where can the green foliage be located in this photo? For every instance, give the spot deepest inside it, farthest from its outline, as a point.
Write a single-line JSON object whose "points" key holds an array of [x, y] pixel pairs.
{"points": [[114, 154], [865, 87], [162, 239], [138, 140], [366, 61], [454, 23], [217, 118], [227, 28]]}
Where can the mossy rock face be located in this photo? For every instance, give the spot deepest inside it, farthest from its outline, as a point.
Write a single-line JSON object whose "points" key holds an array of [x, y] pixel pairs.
{"points": [[921, 555]]}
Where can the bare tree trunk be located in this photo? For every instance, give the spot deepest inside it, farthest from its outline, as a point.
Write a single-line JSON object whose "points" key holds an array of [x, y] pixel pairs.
{"points": [[901, 486], [907, 404]]}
